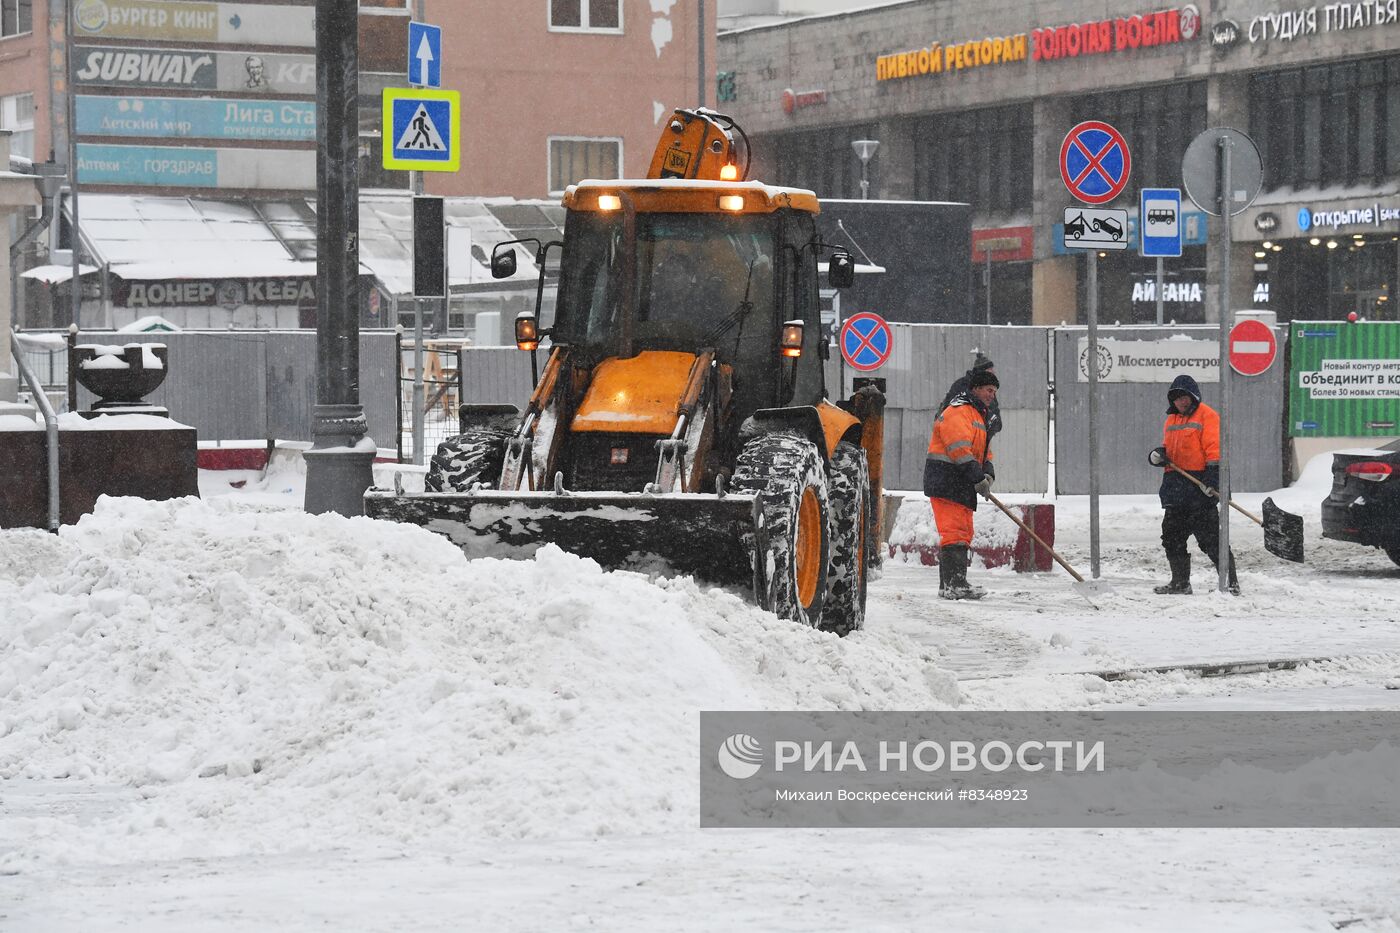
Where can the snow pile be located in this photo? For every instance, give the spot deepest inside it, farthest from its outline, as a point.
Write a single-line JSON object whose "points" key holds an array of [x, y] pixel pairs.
{"points": [[130, 421], [914, 526], [18, 423], [283, 680]]}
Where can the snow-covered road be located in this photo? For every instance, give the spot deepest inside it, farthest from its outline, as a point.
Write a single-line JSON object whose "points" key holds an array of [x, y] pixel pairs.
{"points": [[227, 715]]}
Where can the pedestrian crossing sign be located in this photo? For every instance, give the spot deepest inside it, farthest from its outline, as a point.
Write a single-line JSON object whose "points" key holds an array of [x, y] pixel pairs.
{"points": [[420, 130]]}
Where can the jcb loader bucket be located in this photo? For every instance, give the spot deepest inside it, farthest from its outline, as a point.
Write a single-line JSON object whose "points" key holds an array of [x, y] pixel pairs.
{"points": [[705, 536]]}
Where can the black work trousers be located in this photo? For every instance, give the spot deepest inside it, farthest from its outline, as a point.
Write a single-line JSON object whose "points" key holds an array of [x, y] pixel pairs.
{"points": [[1179, 524]]}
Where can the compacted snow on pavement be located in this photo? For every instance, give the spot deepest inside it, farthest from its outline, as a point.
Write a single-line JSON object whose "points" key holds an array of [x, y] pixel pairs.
{"points": [[225, 714]]}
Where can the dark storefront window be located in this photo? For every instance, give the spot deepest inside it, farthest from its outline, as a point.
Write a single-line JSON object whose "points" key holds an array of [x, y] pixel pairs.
{"points": [[1128, 288], [1158, 122], [1327, 125], [820, 160], [979, 156]]}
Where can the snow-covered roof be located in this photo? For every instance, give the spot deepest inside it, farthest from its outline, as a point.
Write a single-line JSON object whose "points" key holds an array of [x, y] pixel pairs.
{"points": [[143, 237], [52, 274]]}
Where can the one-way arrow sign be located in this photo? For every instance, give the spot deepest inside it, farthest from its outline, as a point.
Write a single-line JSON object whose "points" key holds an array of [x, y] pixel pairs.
{"points": [[424, 55]]}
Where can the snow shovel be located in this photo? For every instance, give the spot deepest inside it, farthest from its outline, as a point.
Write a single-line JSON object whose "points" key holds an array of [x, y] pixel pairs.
{"points": [[1283, 531]]}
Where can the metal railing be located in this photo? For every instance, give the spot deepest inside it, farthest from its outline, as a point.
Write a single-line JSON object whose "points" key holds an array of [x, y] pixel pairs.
{"points": [[442, 394], [50, 428]]}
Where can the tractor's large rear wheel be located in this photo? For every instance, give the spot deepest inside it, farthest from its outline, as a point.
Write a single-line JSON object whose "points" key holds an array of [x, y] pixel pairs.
{"points": [[792, 540], [468, 461], [850, 540]]}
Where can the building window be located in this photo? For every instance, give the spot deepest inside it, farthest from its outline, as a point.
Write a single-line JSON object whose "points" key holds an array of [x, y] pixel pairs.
{"points": [[574, 158], [591, 15], [1158, 123], [16, 17], [17, 116], [979, 156], [1327, 125], [823, 160]]}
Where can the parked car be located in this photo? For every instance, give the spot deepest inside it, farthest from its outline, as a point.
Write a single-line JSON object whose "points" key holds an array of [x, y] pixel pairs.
{"points": [[1364, 504]]}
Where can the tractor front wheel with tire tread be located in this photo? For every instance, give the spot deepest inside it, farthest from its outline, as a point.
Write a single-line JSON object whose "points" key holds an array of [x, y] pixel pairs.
{"points": [[850, 540], [792, 543], [469, 460]]}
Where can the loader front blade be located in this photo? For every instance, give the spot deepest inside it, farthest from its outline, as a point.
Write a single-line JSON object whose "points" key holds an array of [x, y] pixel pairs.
{"points": [[704, 536]]}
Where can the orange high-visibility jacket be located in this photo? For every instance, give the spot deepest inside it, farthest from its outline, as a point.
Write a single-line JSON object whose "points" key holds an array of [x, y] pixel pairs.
{"points": [[1193, 440], [957, 450]]}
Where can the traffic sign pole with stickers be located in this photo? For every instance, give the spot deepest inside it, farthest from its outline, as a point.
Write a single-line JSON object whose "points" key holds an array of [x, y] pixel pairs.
{"points": [[1222, 173], [1094, 165]]}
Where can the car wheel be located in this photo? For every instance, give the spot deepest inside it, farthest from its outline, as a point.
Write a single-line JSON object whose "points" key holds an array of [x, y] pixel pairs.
{"points": [[1393, 553]]}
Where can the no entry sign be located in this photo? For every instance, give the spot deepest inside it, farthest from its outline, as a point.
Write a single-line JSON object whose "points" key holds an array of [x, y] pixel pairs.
{"points": [[866, 341], [1252, 347], [1095, 162]]}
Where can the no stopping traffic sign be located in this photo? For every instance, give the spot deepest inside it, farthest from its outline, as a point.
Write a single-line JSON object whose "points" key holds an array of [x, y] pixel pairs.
{"points": [[1095, 162], [866, 342]]}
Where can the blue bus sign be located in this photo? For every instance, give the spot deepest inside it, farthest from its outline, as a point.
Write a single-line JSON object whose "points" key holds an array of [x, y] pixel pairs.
{"points": [[1159, 222]]}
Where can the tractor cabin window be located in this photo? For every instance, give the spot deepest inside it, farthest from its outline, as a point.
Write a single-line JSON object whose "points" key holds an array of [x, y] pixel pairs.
{"points": [[573, 158], [585, 15]]}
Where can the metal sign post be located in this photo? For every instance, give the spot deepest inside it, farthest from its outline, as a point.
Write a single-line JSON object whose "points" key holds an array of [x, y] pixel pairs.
{"points": [[1093, 314], [1160, 285], [1094, 165], [1222, 173], [1223, 147], [429, 281]]}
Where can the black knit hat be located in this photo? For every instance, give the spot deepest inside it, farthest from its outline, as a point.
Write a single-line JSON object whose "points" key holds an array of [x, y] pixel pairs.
{"points": [[981, 363], [983, 378]]}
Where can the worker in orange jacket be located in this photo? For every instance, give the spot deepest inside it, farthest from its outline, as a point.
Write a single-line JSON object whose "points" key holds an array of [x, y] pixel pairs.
{"points": [[958, 467], [1191, 441]]}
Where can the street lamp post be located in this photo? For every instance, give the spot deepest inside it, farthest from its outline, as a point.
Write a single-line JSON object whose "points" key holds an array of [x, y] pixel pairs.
{"points": [[865, 149], [339, 465]]}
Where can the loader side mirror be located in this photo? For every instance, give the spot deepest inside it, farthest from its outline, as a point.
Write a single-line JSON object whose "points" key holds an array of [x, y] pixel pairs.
{"points": [[527, 332], [791, 343], [503, 264], [841, 271]]}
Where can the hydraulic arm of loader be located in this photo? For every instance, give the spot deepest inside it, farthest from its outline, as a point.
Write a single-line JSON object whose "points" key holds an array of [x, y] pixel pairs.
{"points": [[699, 144], [520, 460]]}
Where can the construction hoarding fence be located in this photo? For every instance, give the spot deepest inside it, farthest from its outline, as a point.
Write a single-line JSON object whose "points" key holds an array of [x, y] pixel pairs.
{"points": [[1344, 379]]}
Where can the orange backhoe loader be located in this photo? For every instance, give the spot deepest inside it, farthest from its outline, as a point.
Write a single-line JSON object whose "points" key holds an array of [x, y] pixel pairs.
{"points": [[681, 422]]}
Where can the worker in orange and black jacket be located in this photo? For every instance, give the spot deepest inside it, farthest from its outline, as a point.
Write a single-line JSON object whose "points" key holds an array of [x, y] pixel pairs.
{"points": [[958, 467], [1191, 441]]}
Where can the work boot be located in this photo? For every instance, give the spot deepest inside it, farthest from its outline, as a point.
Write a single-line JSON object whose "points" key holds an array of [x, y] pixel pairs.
{"points": [[954, 557], [1180, 584]]}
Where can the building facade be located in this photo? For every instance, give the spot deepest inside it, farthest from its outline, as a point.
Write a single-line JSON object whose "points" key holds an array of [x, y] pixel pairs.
{"points": [[972, 102], [209, 103], [190, 96]]}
